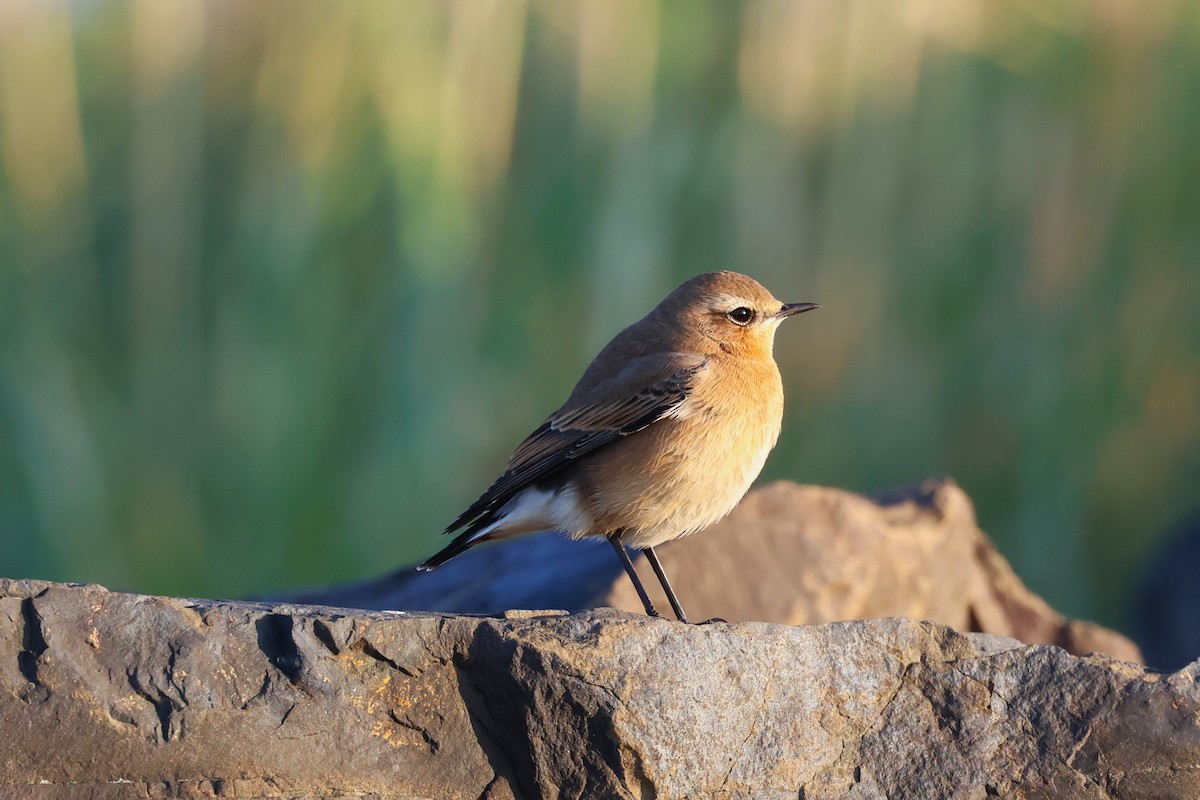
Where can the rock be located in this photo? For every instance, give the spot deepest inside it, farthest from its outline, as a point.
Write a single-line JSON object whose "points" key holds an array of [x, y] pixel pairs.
{"points": [[789, 554], [1166, 603], [107, 695]]}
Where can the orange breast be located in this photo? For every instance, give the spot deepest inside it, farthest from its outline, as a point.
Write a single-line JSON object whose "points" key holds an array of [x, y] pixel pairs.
{"points": [[681, 475]]}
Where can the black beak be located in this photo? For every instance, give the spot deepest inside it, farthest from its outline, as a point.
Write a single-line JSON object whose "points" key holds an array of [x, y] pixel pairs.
{"points": [[791, 309]]}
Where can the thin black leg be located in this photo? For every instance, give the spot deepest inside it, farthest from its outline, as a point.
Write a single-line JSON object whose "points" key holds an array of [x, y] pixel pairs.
{"points": [[652, 557], [615, 540]]}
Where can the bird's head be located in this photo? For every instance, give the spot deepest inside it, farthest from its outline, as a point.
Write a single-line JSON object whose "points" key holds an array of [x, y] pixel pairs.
{"points": [[734, 312]]}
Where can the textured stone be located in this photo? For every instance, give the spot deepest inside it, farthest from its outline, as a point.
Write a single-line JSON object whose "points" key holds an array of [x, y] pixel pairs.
{"points": [[106, 695], [789, 554]]}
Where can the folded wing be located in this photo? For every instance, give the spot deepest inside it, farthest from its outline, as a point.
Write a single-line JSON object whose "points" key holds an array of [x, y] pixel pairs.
{"points": [[648, 390]]}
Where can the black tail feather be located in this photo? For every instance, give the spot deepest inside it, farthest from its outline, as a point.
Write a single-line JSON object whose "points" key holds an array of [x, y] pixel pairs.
{"points": [[463, 542]]}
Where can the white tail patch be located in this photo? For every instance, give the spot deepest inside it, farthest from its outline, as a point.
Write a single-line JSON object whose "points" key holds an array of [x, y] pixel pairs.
{"points": [[536, 509]]}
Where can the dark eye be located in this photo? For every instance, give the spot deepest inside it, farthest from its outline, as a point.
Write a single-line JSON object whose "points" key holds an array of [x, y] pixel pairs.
{"points": [[740, 315]]}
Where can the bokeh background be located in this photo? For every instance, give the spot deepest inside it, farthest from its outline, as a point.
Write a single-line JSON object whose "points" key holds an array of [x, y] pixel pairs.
{"points": [[281, 284]]}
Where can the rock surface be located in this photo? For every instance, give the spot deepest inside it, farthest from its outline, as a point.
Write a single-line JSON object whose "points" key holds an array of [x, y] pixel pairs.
{"points": [[107, 695], [790, 554]]}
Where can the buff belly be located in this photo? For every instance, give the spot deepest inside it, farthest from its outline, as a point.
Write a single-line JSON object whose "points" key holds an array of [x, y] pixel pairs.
{"points": [[695, 476]]}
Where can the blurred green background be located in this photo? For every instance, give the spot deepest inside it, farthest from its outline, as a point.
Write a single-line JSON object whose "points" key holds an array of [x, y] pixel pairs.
{"points": [[281, 284]]}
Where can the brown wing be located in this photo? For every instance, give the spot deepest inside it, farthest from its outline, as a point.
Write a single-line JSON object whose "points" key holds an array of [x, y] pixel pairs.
{"points": [[573, 431]]}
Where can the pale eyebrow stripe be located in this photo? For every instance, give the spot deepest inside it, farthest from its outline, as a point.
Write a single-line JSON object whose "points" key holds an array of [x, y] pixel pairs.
{"points": [[724, 299]]}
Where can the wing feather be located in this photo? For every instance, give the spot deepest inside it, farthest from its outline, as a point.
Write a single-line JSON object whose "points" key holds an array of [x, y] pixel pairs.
{"points": [[578, 429]]}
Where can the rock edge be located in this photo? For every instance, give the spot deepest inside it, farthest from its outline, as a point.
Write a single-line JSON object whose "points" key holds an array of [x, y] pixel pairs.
{"points": [[116, 695]]}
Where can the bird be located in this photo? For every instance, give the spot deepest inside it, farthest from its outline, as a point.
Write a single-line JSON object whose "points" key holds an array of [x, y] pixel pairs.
{"points": [[662, 436]]}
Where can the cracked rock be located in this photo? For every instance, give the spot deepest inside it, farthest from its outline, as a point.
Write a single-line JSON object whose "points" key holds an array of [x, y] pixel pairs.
{"points": [[788, 553], [121, 696]]}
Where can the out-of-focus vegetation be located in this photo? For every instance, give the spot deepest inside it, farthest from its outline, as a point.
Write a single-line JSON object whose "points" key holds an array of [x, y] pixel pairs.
{"points": [[281, 284]]}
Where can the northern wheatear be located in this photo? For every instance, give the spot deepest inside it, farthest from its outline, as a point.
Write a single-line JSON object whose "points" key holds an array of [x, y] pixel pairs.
{"points": [[661, 437]]}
